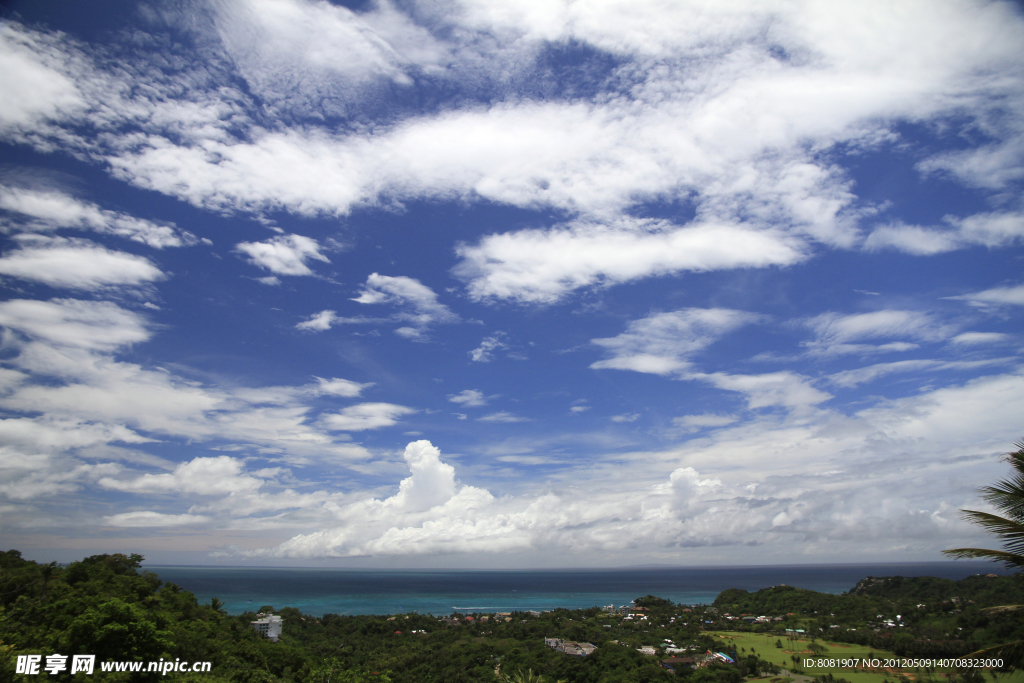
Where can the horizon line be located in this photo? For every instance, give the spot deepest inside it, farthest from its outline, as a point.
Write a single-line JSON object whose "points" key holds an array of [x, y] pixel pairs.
{"points": [[965, 563]]}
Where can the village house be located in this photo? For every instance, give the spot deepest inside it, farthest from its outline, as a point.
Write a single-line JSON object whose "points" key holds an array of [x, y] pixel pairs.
{"points": [[268, 626], [570, 647]]}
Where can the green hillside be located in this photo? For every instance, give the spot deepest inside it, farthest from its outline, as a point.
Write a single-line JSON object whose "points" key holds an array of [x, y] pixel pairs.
{"points": [[106, 606]]}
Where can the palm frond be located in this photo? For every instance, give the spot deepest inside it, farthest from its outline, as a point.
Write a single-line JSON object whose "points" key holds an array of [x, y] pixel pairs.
{"points": [[1002, 609], [1012, 532], [1008, 559], [1012, 654], [1008, 494]]}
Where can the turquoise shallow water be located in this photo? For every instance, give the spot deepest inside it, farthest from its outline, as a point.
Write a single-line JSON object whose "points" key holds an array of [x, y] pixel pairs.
{"points": [[348, 591]]}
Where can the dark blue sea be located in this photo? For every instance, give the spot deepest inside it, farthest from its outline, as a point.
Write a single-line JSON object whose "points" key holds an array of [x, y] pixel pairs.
{"points": [[354, 591]]}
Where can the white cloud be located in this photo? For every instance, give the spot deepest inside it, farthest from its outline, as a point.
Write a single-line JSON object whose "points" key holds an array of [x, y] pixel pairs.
{"points": [[401, 290], [738, 117], [662, 343], [697, 422], [826, 486], [319, 321], [469, 398], [422, 308], [545, 265], [979, 338], [40, 477], [35, 87], [912, 239], [484, 352], [76, 264], [429, 512], [739, 111], [73, 342], [148, 518], [628, 417], [341, 387], [992, 166], [96, 325], [987, 229], [222, 475], [431, 482], [850, 378], [51, 209], [784, 389], [309, 58], [997, 296], [366, 416], [836, 333], [284, 254], [502, 416]]}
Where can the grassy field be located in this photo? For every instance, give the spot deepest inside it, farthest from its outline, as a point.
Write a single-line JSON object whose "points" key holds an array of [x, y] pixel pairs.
{"points": [[764, 646]]}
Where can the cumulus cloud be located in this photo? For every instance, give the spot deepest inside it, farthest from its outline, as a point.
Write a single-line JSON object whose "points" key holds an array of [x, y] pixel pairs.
{"points": [[284, 254], [775, 480], [433, 513], [662, 343], [366, 416], [430, 511], [76, 264]]}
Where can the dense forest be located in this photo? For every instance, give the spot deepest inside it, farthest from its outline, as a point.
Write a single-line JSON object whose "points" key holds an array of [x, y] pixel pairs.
{"points": [[107, 606]]}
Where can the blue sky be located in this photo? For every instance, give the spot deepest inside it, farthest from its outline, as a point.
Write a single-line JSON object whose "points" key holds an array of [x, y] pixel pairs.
{"points": [[508, 284]]}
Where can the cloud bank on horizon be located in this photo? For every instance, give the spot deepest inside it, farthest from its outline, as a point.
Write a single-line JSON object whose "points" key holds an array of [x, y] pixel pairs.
{"points": [[514, 283]]}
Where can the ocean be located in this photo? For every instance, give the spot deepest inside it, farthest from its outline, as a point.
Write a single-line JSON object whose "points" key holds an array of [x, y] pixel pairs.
{"points": [[348, 591]]}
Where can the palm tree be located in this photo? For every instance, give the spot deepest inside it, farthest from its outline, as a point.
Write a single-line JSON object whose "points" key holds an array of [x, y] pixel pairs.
{"points": [[1007, 496]]}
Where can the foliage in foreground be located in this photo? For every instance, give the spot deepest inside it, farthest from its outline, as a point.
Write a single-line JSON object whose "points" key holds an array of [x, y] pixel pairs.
{"points": [[1007, 496], [104, 605]]}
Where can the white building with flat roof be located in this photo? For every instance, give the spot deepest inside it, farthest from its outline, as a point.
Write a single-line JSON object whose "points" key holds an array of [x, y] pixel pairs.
{"points": [[269, 626]]}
